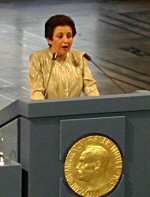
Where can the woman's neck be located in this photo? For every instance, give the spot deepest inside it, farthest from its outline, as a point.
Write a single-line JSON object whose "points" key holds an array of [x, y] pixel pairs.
{"points": [[61, 59]]}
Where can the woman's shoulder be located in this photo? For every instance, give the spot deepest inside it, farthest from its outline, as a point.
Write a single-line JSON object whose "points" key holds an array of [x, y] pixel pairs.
{"points": [[77, 53], [41, 52], [77, 57]]}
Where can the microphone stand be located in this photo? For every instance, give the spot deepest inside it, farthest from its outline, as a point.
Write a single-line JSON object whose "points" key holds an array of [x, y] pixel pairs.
{"points": [[53, 61], [90, 59]]}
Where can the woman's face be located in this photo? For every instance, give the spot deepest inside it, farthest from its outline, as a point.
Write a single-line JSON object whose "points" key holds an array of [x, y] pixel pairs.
{"points": [[62, 40]]}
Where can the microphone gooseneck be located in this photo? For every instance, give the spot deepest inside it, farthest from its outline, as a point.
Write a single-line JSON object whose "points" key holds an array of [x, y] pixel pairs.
{"points": [[54, 57], [104, 72]]}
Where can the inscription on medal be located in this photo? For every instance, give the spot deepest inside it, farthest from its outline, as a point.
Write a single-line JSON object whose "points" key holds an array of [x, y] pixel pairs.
{"points": [[93, 166]]}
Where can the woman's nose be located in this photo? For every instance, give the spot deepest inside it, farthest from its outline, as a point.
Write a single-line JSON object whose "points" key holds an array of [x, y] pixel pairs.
{"points": [[65, 39]]}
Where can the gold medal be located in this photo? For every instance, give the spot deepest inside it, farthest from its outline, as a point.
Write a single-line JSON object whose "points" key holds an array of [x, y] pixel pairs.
{"points": [[93, 166]]}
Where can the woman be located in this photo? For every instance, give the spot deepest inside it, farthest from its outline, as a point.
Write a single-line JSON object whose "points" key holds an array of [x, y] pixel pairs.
{"points": [[58, 71]]}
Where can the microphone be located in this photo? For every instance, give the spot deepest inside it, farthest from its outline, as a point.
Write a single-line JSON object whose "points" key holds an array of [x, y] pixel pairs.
{"points": [[104, 72], [54, 57]]}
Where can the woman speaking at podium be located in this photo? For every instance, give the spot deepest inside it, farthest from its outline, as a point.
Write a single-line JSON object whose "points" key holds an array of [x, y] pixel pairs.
{"points": [[59, 71]]}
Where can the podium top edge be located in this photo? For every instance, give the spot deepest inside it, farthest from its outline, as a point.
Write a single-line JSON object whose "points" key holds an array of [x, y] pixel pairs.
{"points": [[28, 108]]}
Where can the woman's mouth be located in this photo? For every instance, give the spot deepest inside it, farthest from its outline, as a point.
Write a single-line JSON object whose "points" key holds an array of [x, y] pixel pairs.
{"points": [[65, 47]]}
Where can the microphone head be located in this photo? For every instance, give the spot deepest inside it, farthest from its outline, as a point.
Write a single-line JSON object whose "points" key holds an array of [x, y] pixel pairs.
{"points": [[54, 56], [87, 56]]}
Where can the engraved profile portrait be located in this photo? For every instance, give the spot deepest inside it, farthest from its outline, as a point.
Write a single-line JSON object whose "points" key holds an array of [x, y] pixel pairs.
{"points": [[92, 167]]}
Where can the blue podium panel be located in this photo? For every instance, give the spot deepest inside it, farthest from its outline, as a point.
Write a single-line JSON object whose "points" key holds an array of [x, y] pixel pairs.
{"points": [[40, 156], [46, 141], [137, 153], [10, 179], [73, 130]]}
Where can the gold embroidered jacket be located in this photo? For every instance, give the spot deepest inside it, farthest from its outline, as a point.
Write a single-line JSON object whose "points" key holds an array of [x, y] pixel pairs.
{"points": [[50, 79]]}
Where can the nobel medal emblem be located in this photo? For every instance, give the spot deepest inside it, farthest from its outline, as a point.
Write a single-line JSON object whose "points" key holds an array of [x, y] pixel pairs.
{"points": [[93, 166]]}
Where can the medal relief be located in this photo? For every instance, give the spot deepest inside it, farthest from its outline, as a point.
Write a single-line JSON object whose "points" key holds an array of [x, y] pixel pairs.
{"points": [[93, 166]]}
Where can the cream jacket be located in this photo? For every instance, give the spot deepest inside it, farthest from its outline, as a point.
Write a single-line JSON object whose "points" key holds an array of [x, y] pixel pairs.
{"points": [[50, 79]]}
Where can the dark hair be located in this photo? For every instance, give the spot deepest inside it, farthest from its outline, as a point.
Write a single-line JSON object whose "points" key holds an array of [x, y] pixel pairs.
{"points": [[58, 20]]}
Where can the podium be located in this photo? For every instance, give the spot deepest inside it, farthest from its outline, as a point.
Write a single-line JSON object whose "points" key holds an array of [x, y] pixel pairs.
{"points": [[48, 129]]}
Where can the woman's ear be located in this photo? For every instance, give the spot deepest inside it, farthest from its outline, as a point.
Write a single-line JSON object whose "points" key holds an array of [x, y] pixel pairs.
{"points": [[49, 41]]}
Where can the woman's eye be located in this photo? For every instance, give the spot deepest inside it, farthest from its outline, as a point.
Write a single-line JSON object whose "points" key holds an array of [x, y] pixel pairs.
{"points": [[59, 36], [69, 36]]}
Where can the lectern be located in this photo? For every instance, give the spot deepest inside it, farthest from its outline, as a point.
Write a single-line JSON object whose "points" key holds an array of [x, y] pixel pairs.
{"points": [[49, 130]]}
